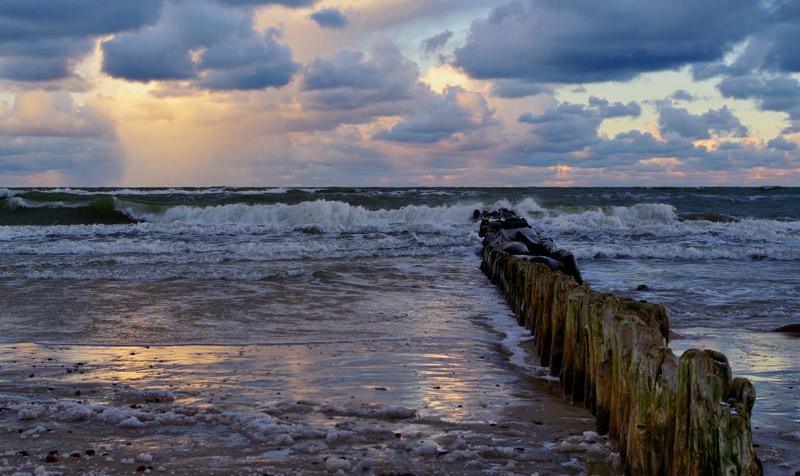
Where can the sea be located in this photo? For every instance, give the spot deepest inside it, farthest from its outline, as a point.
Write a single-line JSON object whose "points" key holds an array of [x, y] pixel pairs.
{"points": [[273, 326]]}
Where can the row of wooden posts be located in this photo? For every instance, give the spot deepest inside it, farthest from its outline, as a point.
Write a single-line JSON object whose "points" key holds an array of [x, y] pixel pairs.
{"points": [[671, 416]]}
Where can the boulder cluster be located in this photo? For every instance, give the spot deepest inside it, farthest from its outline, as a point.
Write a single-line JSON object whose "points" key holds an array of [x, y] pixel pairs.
{"points": [[514, 236]]}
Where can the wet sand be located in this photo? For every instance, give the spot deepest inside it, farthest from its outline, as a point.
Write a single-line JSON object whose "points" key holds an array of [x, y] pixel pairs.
{"points": [[417, 406]]}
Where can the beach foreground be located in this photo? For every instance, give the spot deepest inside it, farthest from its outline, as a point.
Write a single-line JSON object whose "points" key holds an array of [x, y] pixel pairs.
{"points": [[365, 407], [336, 293]]}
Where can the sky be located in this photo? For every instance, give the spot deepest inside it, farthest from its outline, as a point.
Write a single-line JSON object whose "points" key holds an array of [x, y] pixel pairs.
{"points": [[399, 93]]}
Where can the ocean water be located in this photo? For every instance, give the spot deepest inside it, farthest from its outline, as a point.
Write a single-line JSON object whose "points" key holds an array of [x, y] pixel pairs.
{"points": [[224, 286]]}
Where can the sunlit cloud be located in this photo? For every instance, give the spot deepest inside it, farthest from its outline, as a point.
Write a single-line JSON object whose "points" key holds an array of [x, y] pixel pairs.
{"points": [[401, 92]]}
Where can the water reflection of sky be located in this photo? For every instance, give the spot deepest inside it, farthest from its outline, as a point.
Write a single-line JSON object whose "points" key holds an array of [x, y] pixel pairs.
{"points": [[772, 363]]}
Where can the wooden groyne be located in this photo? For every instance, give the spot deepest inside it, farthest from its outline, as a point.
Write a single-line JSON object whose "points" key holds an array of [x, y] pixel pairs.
{"points": [[671, 416]]}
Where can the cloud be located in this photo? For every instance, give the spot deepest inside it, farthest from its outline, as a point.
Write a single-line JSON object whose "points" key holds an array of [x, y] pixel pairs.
{"points": [[608, 110], [685, 124], [43, 114], [348, 80], [22, 20], [435, 42], [330, 18], [636, 145], [568, 135], [779, 143], [442, 116], [781, 93], [44, 41], [585, 41], [212, 46], [47, 131], [246, 61], [41, 60], [770, 49], [514, 89], [350, 87], [682, 95], [572, 127]]}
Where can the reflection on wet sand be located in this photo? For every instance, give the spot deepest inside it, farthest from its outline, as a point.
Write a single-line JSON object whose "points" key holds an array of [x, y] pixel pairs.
{"points": [[423, 406]]}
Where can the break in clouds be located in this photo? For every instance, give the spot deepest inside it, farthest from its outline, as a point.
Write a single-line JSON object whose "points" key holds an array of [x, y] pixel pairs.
{"points": [[367, 103]]}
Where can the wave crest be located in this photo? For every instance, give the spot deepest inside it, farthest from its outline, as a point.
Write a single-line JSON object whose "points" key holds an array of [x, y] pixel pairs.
{"points": [[321, 215]]}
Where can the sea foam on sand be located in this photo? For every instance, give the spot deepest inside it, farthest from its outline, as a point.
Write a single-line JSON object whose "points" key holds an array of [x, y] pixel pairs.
{"points": [[422, 413]]}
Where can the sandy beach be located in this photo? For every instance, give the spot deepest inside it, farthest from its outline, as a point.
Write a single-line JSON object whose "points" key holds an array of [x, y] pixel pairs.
{"points": [[374, 407]]}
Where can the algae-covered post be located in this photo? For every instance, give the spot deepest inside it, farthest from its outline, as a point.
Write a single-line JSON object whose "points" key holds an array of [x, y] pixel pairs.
{"points": [[672, 416]]}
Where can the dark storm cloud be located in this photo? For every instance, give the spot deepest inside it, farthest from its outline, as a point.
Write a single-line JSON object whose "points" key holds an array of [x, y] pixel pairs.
{"points": [[434, 43], [42, 41], [685, 124], [24, 20], [751, 58], [45, 61], [771, 49], [780, 93], [214, 46], [784, 36], [347, 80], [587, 41], [247, 60], [440, 117], [330, 18]]}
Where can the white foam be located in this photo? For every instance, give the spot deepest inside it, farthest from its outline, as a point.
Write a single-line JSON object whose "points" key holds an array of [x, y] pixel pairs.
{"points": [[18, 202], [5, 192], [322, 215], [506, 323], [684, 252]]}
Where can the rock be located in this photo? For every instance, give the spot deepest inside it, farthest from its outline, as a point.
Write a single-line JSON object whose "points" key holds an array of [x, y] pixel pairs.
{"points": [[51, 459], [791, 328], [553, 264], [334, 464], [515, 248], [642, 287], [513, 222], [570, 264], [530, 240]]}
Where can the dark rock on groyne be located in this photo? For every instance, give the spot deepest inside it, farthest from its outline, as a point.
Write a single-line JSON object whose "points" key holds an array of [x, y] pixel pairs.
{"points": [[514, 236], [791, 328], [671, 416]]}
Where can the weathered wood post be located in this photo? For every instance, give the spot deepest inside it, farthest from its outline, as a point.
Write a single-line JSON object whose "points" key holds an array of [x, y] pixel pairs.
{"points": [[671, 416]]}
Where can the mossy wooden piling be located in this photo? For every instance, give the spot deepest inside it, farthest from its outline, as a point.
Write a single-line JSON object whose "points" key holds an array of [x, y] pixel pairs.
{"points": [[671, 416]]}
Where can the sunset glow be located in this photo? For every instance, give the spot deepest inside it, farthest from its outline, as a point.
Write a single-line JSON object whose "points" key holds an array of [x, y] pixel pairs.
{"points": [[405, 92]]}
